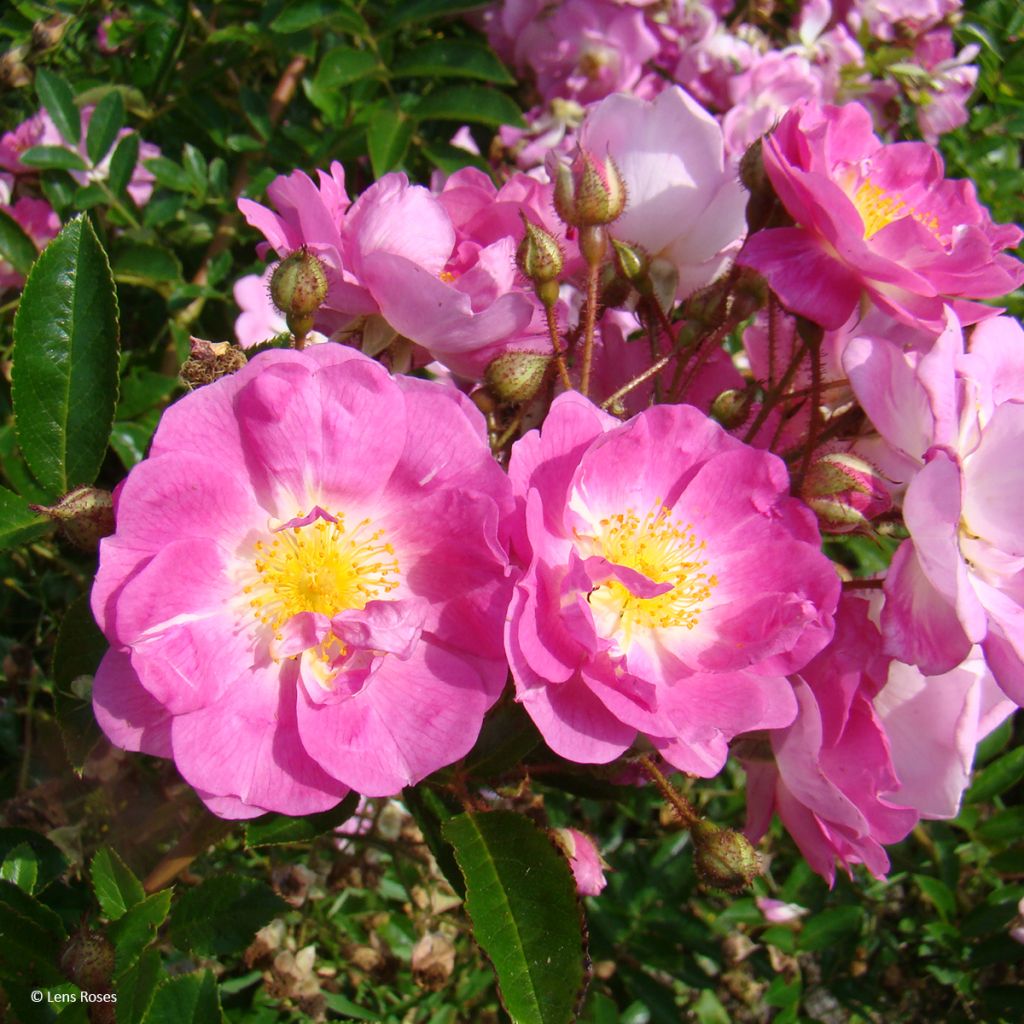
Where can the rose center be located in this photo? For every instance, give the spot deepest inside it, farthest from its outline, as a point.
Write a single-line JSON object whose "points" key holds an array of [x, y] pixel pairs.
{"points": [[665, 552], [323, 566], [878, 209]]}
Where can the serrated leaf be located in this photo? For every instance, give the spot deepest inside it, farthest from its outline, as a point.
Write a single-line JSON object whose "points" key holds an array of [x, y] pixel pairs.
{"points": [[275, 829], [122, 163], [55, 94], [106, 121], [344, 65], [31, 936], [522, 901], [221, 915], [302, 14], [997, 777], [116, 887], [426, 10], [52, 158], [20, 866], [66, 360], [50, 862], [387, 139], [15, 246], [18, 523], [137, 928], [473, 104], [136, 987], [452, 58], [188, 999]]}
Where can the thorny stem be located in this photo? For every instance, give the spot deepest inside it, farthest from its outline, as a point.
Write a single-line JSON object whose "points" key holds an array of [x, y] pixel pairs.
{"points": [[687, 815], [814, 411], [708, 345], [556, 345], [773, 396], [652, 370], [590, 323]]}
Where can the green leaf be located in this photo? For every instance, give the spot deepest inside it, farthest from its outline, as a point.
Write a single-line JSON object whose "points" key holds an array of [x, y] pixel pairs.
{"points": [[275, 829], [188, 999], [21, 866], [840, 925], [344, 65], [116, 888], [107, 120], [53, 157], [426, 10], [66, 360], [31, 937], [135, 988], [18, 523], [475, 104], [15, 246], [346, 1008], [452, 58], [137, 928], [55, 94], [80, 644], [387, 139], [939, 894], [526, 917], [997, 777], [430, 814], [130, 441], [1005, 825], [302, 14], [222, 914], [50, 862], [145, 264], [169, 174], [122, 163]]}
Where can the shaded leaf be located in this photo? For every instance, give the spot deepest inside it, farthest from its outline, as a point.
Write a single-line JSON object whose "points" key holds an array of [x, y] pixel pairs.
{"points": [[344, 65], [18, 523], [55, 94], [452, 58], [123, 162], [136, 987], [387, 138], [116, 887], [50, 862], [80, 644], [275, 829], [302, 14], [20, 866], [426, 10], [66, 360], [997, 777], [137, 928], [222, 914], [106, 121], [188, 999], [31, 937], [526, 917], [142, 264], [52, 157], [475, 104], [832, 928]]}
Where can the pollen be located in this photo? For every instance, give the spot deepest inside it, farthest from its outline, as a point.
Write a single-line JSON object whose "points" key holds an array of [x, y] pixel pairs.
{"points": [[878, 209], [448, 276], [665, 551], [323, 566]]}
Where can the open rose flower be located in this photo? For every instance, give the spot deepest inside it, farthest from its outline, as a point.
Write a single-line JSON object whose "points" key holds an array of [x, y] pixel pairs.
{"points": [[669, 584], [306, 587], [875, 220]]}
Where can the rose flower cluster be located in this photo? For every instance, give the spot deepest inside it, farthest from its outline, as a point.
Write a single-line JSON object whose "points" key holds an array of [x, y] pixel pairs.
{"points": [[581, 435]]}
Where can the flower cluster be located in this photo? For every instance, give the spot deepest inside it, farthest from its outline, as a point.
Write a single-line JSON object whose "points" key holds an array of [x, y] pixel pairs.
{"points": [[587, 429]]}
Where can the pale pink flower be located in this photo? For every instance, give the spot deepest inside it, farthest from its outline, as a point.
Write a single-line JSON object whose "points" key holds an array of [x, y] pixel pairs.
{"points": [[669, 584], [874, 220], [307, 583], [588, 866], [685, 208], [780, 912]]}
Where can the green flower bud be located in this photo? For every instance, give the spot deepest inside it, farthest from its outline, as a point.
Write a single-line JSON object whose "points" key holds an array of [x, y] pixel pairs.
{"points": [[634, 264], [730, 408], [88, 960], [298, 288], [724, 858], [589, 193], [516, 377], [85, 515], [539, 255]]}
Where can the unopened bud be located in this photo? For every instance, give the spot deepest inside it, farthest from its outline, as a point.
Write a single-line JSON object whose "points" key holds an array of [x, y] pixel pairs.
{"points": [[589, 193], [844, 491], [88, 960], [634, 265], [516, 377], [209, 361], [539, 255], [762, 202], [723, 857], [298, 288], [85, 516], [731, 408]]}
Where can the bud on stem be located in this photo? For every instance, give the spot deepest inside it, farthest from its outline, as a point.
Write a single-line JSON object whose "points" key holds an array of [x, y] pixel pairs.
{"points": [[298, 288], [85, 516]]}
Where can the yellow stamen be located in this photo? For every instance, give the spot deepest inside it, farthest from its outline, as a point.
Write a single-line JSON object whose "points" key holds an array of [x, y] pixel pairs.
{"points": [[878, 209]]}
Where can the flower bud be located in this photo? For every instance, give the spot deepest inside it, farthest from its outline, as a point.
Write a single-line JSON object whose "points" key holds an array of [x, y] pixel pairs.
{"points": [[209, 361], [731, 408], [88, 960], [298, 288], [724, 858], [589, 193], [85, 515], [844, 491], [516, 377], [762, 202], [539, 255], [588, 866]]}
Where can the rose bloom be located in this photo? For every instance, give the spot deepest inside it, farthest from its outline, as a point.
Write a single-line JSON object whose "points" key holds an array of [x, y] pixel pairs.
{"points": [[875, 220], [306, 587], [669, 584]]}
